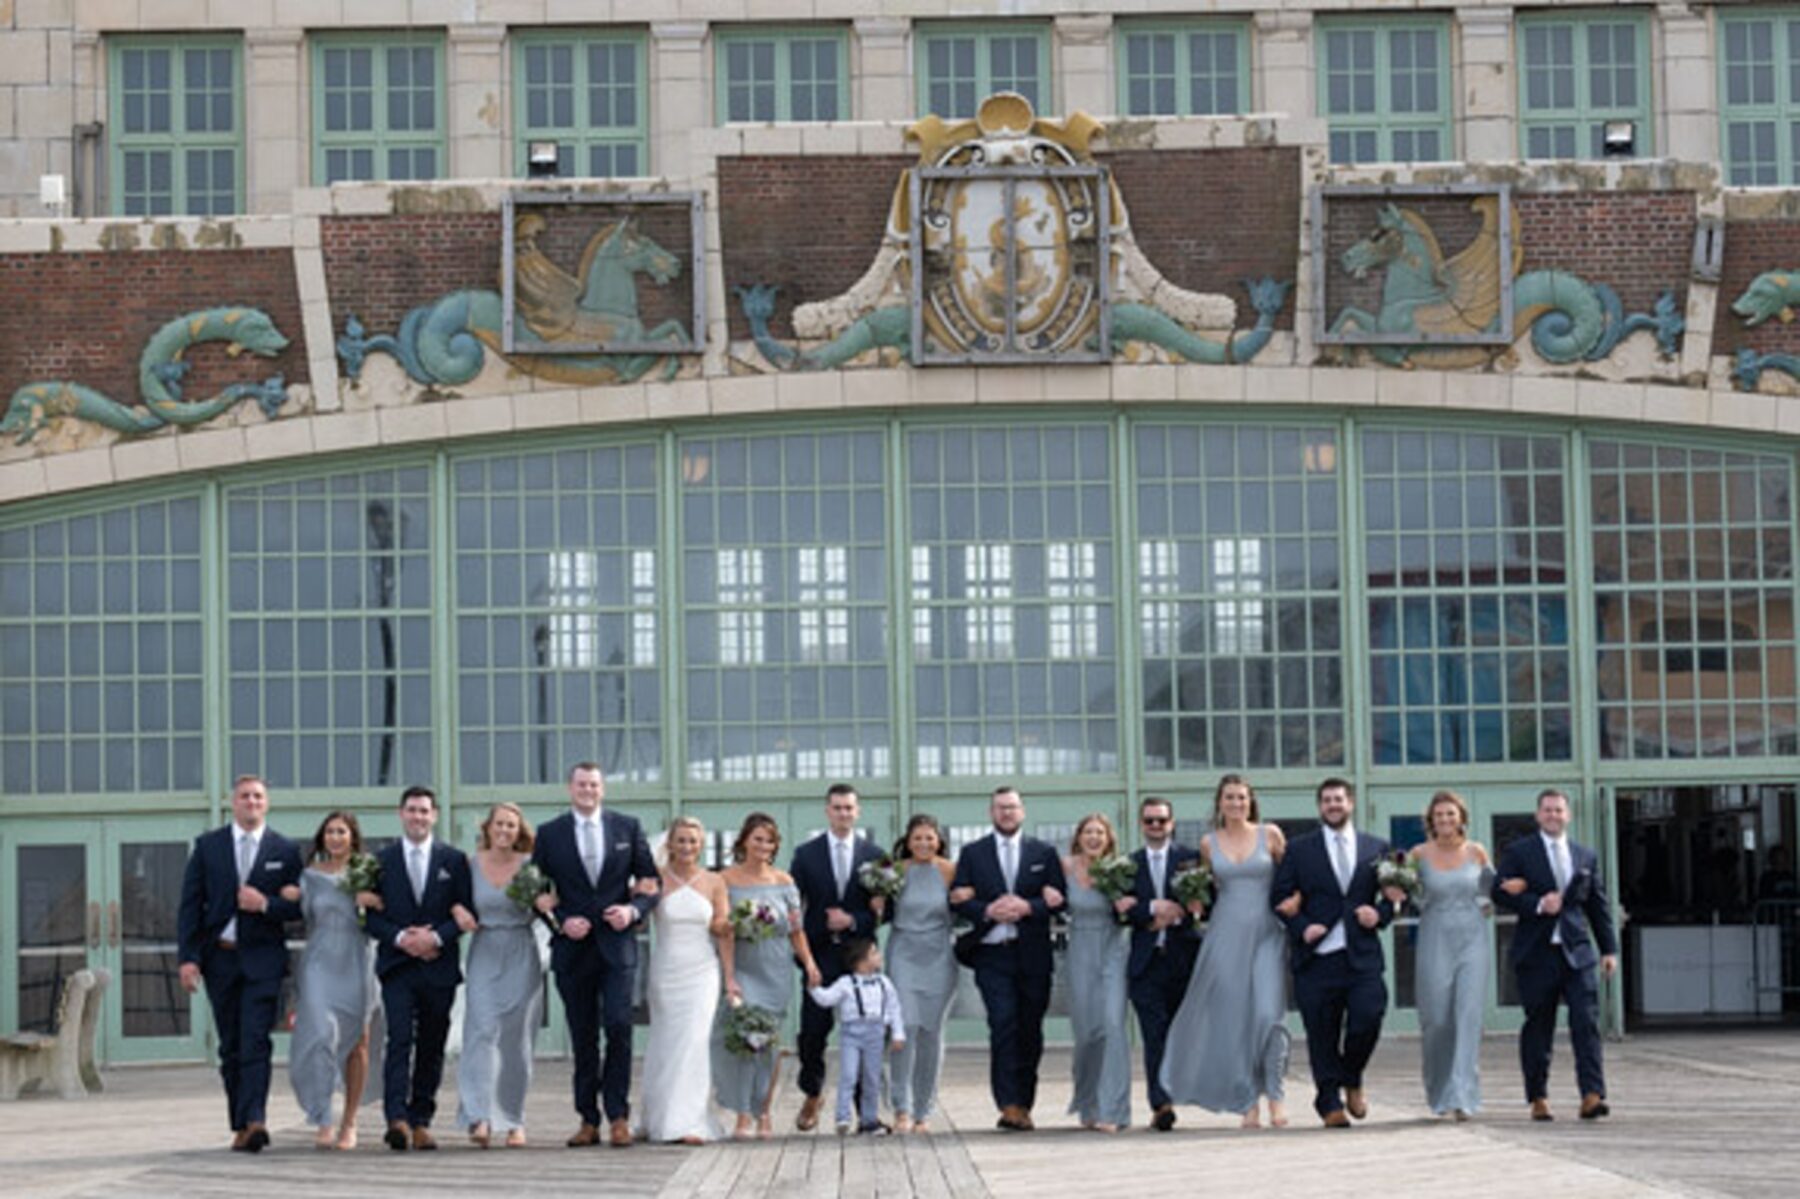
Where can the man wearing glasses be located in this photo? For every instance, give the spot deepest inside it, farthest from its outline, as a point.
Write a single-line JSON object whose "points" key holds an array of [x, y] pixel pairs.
{"points": [[1164, 942]]}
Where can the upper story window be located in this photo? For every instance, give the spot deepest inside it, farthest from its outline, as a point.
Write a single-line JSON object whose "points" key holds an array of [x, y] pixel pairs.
{"points": [[585, 91], [1759, 93], [1384, 88], [177, 122], [1578, 74], [960, 65], [783, 75], [1195, 68], [378, 107]]}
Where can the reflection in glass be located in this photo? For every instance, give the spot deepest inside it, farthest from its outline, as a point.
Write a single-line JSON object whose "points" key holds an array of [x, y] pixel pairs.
{"points": [[51, 899], [152, 1003]]}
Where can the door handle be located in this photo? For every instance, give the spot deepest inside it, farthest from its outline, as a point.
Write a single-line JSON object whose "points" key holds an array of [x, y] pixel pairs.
{"points": [[112, 924], [93, 925]]}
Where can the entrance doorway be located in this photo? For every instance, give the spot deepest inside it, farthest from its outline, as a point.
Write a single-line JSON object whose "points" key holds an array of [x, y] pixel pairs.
{"points": [[1706, 878]]}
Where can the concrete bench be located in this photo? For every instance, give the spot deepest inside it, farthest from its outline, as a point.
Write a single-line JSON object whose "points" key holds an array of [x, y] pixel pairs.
{"points": [[64, 1058]]}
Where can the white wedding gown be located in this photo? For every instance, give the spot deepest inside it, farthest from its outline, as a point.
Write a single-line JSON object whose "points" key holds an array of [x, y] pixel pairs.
{"points": [[683, 988]]}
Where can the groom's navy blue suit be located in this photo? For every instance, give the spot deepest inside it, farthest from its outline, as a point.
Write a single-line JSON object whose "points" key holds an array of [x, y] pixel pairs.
{"points": [[1342, 995], [816, 880], [1159, 975]]}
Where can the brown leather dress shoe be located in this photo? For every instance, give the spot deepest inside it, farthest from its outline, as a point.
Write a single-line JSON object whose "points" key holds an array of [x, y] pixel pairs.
{"points": [[1336, 1119], [621, 1134], [237, 1140], [1593, 1107], [423, 1140], [587, 1134], [256, 1138], [397, 1136], [808, 1119], [1164, 1119], [1540, 1111], [1356, 1102]]}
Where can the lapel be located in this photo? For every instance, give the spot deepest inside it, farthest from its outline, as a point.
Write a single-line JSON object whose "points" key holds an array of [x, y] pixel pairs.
{"points": [[1539, 862]]}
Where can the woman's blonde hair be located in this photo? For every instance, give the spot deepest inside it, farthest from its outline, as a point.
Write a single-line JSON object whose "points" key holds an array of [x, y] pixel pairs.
{"points": [[1112, 838], [681, 822], [521, 843]]}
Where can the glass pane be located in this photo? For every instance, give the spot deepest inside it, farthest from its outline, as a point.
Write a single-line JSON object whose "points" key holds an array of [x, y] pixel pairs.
{"points": [[51, 899], [152, 1003]]}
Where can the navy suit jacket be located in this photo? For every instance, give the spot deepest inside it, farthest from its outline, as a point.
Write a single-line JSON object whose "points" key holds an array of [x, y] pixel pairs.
{"points": [[209, 890], [1585, 919], [978, 866], [817, 883], [1183, 938], [447, 883], [1307, 868], [625, 859]]}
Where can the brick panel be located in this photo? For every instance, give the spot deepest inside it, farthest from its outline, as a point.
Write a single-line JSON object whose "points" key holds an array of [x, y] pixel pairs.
{"points": [[378, 267], [1638, 243], [84, 317], [1752, 247]]}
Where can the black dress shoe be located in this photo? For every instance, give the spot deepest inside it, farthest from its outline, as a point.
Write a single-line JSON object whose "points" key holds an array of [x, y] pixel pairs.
{"points": [[1593, 1107], [1164, 1119], [256, 1139], [398, 1135]]}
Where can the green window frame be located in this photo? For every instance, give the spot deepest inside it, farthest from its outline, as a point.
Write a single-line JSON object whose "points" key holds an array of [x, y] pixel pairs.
{"points": [[959, 64], [764, 73], [176, 106], [588, 91], [1185, 69], [328, 602], [1759, 96], [1239, 604], [1384, 88], [378, 107], [101, 651], [1693, 598], [1578, 71], [1466, 570]]}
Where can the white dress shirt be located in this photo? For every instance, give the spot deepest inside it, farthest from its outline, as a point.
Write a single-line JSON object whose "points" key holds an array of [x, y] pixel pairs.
{"points": [[1334, 941], [418, 877], [1562, 864], [245, 863], [1002, 933], [843, 860]]}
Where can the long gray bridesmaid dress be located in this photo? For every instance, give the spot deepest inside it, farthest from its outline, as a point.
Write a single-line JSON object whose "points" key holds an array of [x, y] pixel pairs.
{"points": [[336, 998], [1451, 986], [765, 974], [923, 969], [1097, 964], [1228, 1043], [502, 990]]}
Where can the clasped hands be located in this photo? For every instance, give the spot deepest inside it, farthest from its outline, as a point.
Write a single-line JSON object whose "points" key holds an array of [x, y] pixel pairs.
{"points": [[1010, 909], [1164, 913], [618, 916], [1312, 934]]}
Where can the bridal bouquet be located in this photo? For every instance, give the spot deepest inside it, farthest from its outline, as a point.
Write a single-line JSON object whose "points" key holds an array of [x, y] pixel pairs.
{"points": [[1398, 871], [881, 877], [756, 920], [361, 873], [750, 1029], [1113, 876], [1192, 884], [526, 885]]}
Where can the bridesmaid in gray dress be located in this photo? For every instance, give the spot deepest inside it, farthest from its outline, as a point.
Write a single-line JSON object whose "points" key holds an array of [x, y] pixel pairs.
{"points": [[764, 972], [1228, 1043], [1451, 986], [337, 997], [1097, 965], [503, 986], [923, 970]]}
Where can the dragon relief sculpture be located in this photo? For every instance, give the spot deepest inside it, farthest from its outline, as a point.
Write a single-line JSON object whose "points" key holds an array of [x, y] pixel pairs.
{"points": [[446, 342], [1423, 291], [1042, 288], [162, 368], [1772, 295]]}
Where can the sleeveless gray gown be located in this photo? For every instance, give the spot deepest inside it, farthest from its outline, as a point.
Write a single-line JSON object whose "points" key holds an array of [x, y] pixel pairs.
{"points": [[1098, 960], [503, 988], [336, 999], [1451, 983], [1228, 1043], [923, 969], [765, 974]]}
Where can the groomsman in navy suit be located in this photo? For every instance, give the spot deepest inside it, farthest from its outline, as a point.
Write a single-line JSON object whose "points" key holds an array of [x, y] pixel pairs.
{"points": [[230, 934], [1012, 882], [416, 959], [606, 884], [1164, 942], [1334, 934], [835, 912], [1565, 930]]}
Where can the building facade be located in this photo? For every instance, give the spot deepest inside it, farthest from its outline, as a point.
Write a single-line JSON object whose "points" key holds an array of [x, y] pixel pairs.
{"points": [[749, 396]]}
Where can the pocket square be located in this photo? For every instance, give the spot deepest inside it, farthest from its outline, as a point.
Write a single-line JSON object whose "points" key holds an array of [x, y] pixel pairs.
{"points": [[622, 846], [271, 865], [443, 876], [1036, 866]]}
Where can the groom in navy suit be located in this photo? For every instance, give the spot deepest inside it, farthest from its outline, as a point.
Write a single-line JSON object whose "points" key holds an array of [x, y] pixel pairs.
{"points": [[1009, 883], [230, 933], [1565, 930], [1164, 942], [606, 883], [1334, 941], [416, 959]]}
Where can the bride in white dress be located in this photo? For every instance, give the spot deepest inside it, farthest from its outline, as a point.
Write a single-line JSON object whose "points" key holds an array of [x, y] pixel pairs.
{"points": [[691, 925]]}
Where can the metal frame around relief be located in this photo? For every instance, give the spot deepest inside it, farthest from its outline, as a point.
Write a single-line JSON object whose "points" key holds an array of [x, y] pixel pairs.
{"points": [[1322, 318], [696, 202], [1010, 175]]}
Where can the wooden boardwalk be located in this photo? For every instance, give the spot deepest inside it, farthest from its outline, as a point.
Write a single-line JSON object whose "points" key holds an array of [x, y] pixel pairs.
{"points": [[1698, 1114]]}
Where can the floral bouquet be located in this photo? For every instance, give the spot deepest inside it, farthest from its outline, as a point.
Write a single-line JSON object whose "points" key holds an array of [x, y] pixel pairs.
{"points": [[756, 920], [525, 888], [881, 877], [1398, 871], [1193, 884], [749, 1029], [1113, 876], [361, 873]]}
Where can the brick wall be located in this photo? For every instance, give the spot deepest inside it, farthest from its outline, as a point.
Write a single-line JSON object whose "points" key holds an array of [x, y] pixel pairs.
{"points": [[85, 317], [1752, 247], [1638, 243], [377, 267]]}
